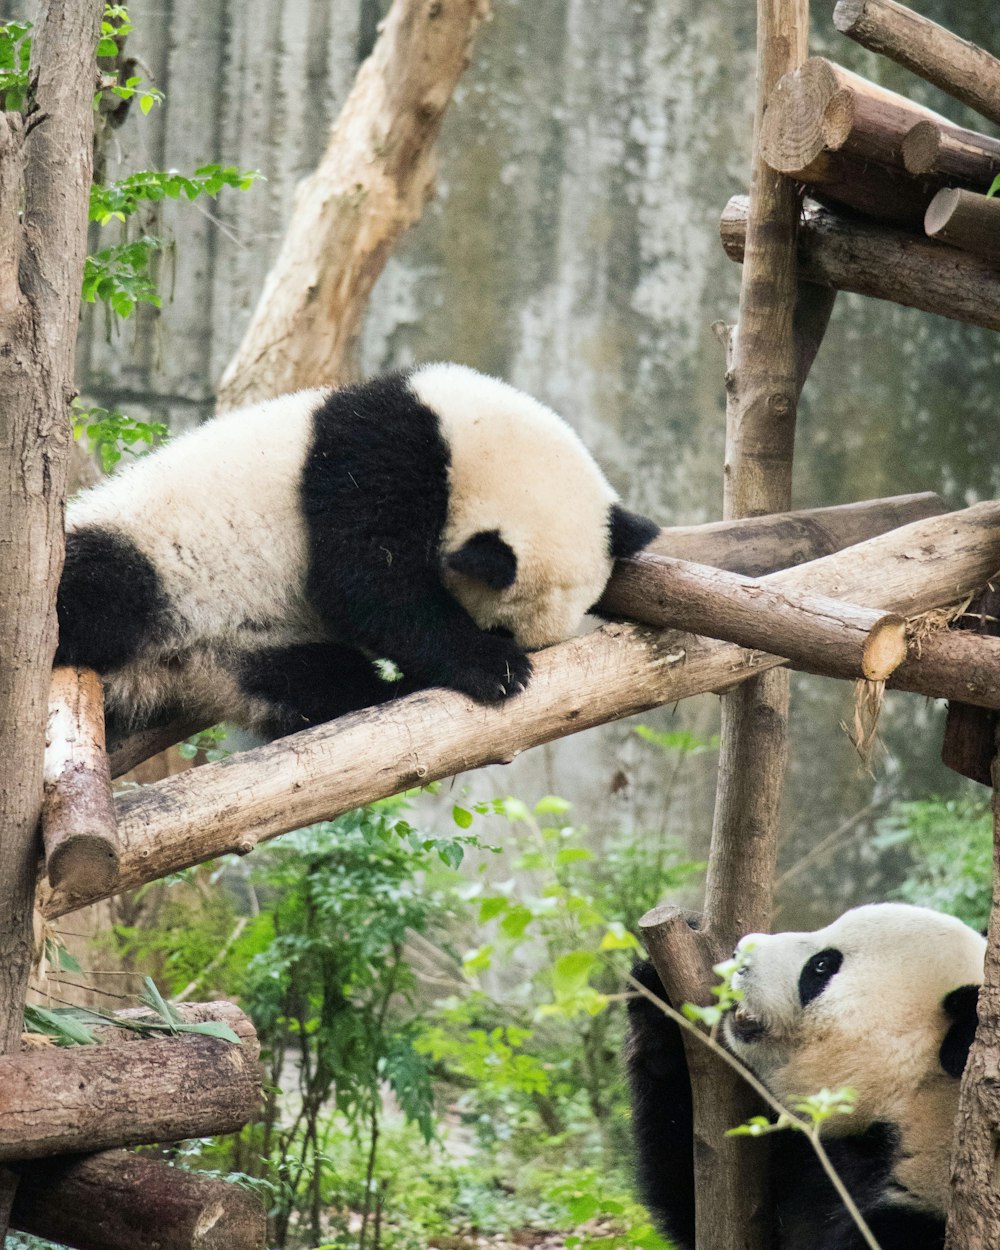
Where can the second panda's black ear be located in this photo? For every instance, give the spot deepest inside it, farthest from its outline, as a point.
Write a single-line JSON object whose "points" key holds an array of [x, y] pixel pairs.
{"points": [[486, 558], [960, 1007], [628, 532]]}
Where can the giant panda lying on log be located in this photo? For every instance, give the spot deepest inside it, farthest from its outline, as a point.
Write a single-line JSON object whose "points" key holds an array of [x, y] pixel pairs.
{"points": [[884, 1001], [253, 570]]}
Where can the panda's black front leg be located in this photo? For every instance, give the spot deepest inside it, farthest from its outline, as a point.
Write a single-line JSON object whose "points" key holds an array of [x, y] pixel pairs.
{"points": [[431, 638]]}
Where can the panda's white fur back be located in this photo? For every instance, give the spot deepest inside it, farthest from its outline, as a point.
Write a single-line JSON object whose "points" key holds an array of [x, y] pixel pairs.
{"points": [[239, 473], [512, 460]]}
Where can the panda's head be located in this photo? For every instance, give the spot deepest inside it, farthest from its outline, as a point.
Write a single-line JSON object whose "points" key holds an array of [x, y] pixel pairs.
{"points": [[533, 526], [882, 1000]]}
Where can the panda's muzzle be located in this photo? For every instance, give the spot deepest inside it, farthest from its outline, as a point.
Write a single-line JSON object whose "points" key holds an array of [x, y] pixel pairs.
{"points": [[745, 1026]]}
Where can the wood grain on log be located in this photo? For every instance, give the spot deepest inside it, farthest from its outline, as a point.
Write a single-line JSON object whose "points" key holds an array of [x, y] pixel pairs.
{"points": [[940, 150], [806, 629], [965, 220], [974, 1215], [128, 1090], [851, 255], [78, 816], [822, 107], [963, 70], [370, 186], [117, 1200]]}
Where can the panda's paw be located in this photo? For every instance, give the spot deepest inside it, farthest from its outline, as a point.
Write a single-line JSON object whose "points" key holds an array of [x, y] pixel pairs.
{"points": [[498, 670]]}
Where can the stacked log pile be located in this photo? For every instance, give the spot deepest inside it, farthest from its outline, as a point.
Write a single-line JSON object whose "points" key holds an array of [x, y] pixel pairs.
{"points": [[898, 198]]}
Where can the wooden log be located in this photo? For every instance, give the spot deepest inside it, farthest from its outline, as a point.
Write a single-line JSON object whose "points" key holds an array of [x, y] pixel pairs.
{"points": [[940, 150], [969, 742], [822, 107], [807, 629], [117, 1200], [963, 70], [617, 671], [78, 816], [129, 1089], [965, 220], [753, 546], [851, 255]]}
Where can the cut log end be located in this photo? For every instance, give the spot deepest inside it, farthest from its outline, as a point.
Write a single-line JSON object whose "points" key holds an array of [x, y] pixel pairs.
{"points": [[921, 147], [848, 14], [83, 862], [806, 114], [941, 209], [884, 649]]}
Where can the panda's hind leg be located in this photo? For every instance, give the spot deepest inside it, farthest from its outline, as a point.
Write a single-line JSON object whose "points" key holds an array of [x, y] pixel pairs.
{"points": [[310, 683]]}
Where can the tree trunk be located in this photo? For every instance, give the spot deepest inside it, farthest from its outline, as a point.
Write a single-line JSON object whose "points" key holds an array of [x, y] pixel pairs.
{"points": [[78, 816], [958, 67], [370, 187], [974, 1217], [850, 255], [41, 263], [970, 731], [129, 1089], [122, 1201]]}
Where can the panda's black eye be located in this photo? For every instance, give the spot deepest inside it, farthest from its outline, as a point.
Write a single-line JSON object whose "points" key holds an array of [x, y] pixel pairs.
{"points": [[817, 974]]}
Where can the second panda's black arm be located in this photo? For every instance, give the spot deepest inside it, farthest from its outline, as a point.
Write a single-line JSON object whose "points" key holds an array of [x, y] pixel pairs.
{"points": [[375, 496], [662, 1118]]}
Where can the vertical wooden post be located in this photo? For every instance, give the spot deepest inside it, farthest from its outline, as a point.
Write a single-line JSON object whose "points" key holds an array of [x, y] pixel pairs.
{"points": [[766, 366], [974, 1217]]}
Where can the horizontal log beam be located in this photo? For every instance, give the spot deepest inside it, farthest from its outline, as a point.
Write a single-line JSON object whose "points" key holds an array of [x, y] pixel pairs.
{"points": [[753, 546], [939, 150], [806, 629], [128, 1090], [960, 68], [117, 1200], [965, 220], [852, 255], [615, 672], [78, 816]]}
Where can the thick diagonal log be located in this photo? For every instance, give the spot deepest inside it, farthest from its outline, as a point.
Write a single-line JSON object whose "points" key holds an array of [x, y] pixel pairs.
{"points": [[78, 816], [615, 672], [753, 546], [960, 68], [852, 255], [129, 1089], [965, 220], [117, 1200]]}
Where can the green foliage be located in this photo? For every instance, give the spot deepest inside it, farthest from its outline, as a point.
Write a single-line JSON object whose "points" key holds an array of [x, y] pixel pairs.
{"points": [[117, 201], [15, 55], [994, 186], [811, 1113], [951, 845], [120, 277], [208, 742], [677, 740], [111, 434], [725, 993]]}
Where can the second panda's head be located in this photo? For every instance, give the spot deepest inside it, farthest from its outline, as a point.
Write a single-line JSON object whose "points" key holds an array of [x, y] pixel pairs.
{"points": [[533, 526], [883, 1000]]}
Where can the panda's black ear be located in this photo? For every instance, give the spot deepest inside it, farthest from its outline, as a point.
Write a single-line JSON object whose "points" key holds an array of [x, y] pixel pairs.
{"points": [[628, 532], [960, 1007], [486, 558]]}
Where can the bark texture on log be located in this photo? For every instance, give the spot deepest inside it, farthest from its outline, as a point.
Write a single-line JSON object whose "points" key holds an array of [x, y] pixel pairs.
{"points": [[970, 731], [941, 150], [45, 173], [850, 255], [117, 1200], [965, 220], [974, 1216], [807, 630], [822, 107], [79, 831], [128, 1090], [754, 546], [958, 67], [370, 186], [617, 671]]}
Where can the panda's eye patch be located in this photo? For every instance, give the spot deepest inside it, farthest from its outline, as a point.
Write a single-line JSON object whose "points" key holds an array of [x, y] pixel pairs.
{"points": [[817, 973]]}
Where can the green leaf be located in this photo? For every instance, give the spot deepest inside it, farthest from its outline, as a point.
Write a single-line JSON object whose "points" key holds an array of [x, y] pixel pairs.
{"points": [[63, 1027], [211, 1028], [515, 922], [491, 907], [994, 186], [552, 805], [573, 855], [618, 938], [571, 972], [461, 816]]}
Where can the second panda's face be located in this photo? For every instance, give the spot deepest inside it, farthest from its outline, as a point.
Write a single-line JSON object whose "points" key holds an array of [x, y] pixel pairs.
{"points": [[858, 1003]]}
